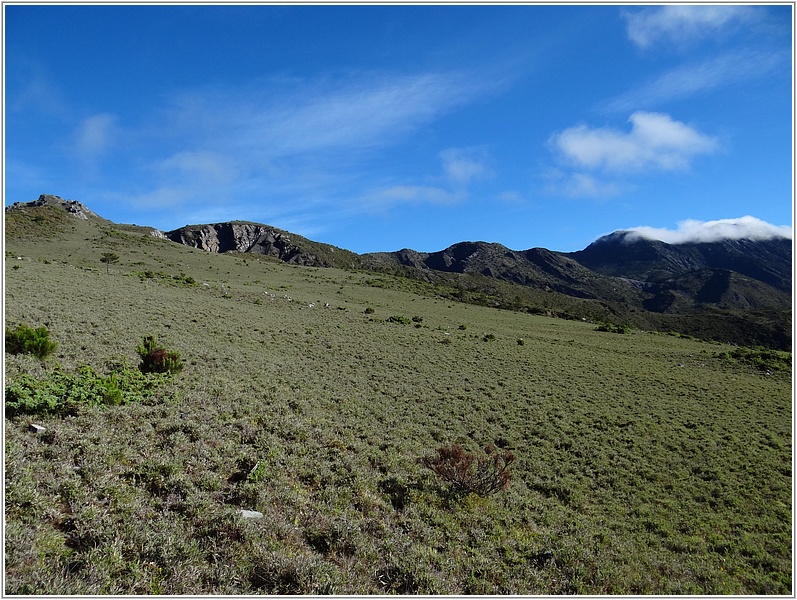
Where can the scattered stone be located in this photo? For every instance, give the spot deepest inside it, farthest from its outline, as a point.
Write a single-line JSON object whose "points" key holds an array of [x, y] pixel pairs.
{"points": [[251, 514], [37, 429]]}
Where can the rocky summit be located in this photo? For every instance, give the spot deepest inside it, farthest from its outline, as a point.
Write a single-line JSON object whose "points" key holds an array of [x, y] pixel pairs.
{"points": [[73, 207]]}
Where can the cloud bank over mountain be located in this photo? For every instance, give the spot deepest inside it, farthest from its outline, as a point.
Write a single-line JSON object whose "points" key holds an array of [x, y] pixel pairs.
{"points": [[694, 231]]}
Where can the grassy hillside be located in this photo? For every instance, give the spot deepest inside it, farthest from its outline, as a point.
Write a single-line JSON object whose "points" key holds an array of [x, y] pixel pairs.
{"points": [[644, 463]]}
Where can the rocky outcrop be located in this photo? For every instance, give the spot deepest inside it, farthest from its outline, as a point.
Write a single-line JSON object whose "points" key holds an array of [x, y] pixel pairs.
{"points": [[253, 238], [73, 207]]}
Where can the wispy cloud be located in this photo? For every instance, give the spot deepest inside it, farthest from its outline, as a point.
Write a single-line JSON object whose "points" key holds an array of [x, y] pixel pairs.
{"points": [[655, 141], [463, 165], [411, 194], [206, 166], [281, 118], [700, 77], [291, 146], [460, 168], [712, 231], [36, 91], [679, 23], [584, 185], [368, 113], [95, 135]]}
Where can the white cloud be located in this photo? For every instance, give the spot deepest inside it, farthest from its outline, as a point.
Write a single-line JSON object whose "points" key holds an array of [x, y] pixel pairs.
{"points": [[300, 143], [700, 77], [95, 135], [411, 194], [680, 23], [462, 165], [273, 120], [583, 185], [38, 92], [711, 231], [206, 166], [655, 141], [366, 114]]}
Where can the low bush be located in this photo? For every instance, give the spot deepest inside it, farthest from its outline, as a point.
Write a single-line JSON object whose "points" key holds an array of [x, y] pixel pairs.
{"points": [[27, 340], [762, 359], [613, 328], [399, 319], [66, 393], [156, 359], [468, 473]]}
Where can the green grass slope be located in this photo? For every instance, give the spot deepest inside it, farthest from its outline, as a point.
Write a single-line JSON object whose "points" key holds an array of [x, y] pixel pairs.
{"points": [[645, 463]]}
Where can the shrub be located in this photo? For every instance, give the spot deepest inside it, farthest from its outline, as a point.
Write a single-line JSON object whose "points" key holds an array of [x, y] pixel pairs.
{"points": [[66, 393], [184, 279], [763, 359], [399, 319], [26, 340], [369, 311], [155, 359], [489, 337], [468, 473], [612, 328]]}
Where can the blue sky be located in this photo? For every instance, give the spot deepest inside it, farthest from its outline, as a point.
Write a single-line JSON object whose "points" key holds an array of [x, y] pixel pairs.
{"points": [[376, 128]]}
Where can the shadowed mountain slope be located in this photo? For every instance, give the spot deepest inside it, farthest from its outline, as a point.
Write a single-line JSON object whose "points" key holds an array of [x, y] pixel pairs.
{"points": [[622, 255]]}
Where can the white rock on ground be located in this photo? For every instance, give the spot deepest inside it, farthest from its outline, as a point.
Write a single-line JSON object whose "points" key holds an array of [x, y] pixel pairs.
{"points": [[251, 514]]}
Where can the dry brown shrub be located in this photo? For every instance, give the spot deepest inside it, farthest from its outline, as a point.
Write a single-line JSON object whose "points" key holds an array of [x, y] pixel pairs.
{"points": [[468, 473]]}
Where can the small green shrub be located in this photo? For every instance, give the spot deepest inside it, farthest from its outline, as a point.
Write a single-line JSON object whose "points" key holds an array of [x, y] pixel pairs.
{"points": [[399, 319], [489, 337], [762, 359], [184, 279], [417, 319], [27, 340], [468, 473], [369, 311], [155, 359], [66, 393], [463, 327], [613, 328]]}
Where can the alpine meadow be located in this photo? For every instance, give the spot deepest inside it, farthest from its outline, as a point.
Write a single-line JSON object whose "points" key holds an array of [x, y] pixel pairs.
{"points": [[187, 422]]}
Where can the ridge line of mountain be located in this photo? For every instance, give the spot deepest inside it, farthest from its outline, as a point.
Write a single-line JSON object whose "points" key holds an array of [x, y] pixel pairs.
{"points": [[647, 275]]}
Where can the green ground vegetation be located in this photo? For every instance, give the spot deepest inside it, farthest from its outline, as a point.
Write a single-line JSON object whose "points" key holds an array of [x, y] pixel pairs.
{"points": [[641, 463]]}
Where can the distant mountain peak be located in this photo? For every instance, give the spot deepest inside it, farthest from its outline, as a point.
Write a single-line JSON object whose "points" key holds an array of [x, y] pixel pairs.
{"points": [[692, 231]]}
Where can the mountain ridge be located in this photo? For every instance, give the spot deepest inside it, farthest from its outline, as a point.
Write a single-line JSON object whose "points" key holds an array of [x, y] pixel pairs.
{"points": [[730, 279]]}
